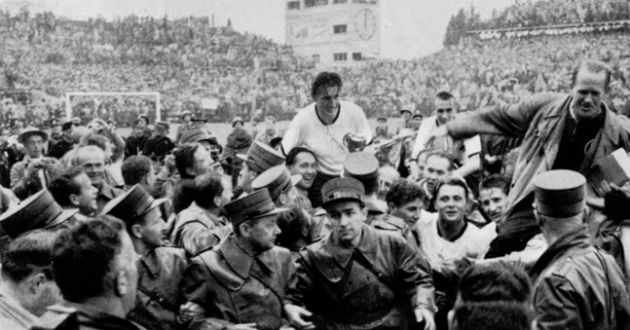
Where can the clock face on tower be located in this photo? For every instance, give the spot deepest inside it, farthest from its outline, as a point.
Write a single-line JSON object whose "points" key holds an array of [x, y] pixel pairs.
{"points": [[365, 24]]}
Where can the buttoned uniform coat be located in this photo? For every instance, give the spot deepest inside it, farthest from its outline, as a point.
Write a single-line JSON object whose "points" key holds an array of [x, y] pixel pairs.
{"points": [[376, 285], [234, 287], [578, 287], [160, 273]]}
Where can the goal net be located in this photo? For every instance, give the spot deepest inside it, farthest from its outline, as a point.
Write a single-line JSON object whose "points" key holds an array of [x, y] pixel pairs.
{"points": [[123, 108]]}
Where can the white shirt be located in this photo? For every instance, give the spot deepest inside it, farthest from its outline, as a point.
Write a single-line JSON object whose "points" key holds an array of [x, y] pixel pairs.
{"points": [[326, 141], [473, 243], [472, 145]]}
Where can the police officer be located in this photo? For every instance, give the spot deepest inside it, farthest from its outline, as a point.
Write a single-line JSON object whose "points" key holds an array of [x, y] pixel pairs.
{"points": [[259, 158], [39, 211], [241, 282], [576, 286], [359, 278], [160, 268]]}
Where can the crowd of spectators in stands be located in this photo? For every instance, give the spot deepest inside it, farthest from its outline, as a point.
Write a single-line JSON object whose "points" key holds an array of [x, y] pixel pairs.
{"points": [[531, 13], [187, 60]]}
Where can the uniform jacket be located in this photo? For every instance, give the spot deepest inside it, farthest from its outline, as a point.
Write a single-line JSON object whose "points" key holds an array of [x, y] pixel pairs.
{"points": [[577, 287], [375, 285], [196, 230], [160, 274], [106, 194], [235, 287], [540, 122]]}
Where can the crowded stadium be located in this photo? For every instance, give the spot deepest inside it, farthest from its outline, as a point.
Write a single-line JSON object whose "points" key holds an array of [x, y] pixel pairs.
{"points": [[175, 173]]}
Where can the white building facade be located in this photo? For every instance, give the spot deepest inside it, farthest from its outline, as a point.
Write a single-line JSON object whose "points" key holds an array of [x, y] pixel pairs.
{"points": [[334, 32]]}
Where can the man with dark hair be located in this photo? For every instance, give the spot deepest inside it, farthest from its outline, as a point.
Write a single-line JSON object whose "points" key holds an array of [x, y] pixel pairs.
{"points": [[138, 170], [359, 278], [405, 205], [450, 236], [92, 160], [490, 316], [73, 189], [494, 282], [94, 265], [199, 226], [192, 160], [438, 166], [576, 286], [64, 144], [205, 138], [241, 283], [302, 161], [493, 192], [27, 287], [465, 154], [295, 230], [160, 270], [560, 131], [323, 126], [159, 144]]}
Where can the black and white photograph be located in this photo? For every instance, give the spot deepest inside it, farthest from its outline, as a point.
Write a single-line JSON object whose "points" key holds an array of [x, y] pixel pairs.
{"points": [[314, 164]]}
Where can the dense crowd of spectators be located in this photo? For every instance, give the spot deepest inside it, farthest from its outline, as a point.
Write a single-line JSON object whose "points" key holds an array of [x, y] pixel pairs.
{"points": [[530, 13], [188, 60]]}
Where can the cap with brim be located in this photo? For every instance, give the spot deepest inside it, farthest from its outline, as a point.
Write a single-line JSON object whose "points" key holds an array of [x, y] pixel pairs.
{"points": [[131, 205], [559, 193], [376, 207], [276, 179], [261, 157], [381, 118], [340, 189], [236, 120], [253, 206], [30, 131], [197, 135], [417, 116], [361, 165], [39, 211], [405, 110], [163, 124], [184, 113]]}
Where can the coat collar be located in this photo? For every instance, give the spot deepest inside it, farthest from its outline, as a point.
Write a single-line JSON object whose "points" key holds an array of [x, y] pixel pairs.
{"points": [[151, 263], [577, 238], [343, 255], [107, 191], [240, 261]]}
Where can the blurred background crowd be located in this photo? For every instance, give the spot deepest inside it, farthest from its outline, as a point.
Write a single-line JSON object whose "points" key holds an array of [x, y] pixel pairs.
{"points": [[189, 60]]}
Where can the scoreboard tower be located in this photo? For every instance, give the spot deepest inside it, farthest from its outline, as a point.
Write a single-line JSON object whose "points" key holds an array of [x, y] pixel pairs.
{"points": [[334, 32]]}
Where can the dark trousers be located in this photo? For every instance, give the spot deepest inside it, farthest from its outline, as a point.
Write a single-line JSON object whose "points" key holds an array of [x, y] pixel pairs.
{"points": [[315, 193]]}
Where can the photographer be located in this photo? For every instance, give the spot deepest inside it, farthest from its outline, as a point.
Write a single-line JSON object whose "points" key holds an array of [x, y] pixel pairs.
{"points": [[33, 172]]}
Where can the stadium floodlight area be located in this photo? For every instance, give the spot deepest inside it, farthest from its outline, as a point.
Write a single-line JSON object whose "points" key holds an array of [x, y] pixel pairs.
{"points": [[95, 95]]}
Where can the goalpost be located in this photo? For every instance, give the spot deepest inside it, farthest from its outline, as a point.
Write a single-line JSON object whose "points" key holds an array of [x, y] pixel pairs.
{"points": [[158, 107]]}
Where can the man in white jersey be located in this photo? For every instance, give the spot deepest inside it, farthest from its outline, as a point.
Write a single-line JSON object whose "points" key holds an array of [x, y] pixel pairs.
{"points": [[322, 126]]}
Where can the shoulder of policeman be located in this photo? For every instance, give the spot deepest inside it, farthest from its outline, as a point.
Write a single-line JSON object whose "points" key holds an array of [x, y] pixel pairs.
{"points": [[390, 223]]}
